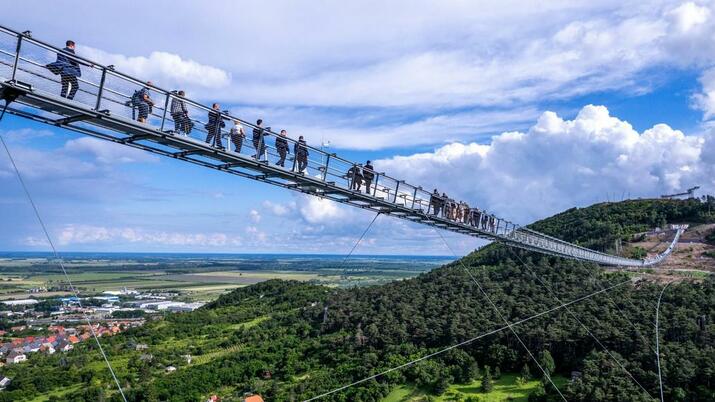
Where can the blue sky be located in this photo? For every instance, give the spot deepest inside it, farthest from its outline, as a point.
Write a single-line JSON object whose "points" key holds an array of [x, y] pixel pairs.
{"points": [[524, 109]]}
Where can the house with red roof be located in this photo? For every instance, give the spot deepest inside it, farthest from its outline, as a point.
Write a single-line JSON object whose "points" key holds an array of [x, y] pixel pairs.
{"points": [[73, 339]]}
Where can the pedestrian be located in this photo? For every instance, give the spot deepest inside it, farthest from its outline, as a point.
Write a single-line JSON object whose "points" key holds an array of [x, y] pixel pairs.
{"points": [[300, 150], [141, 100], [214, 127], [237, 136], [355, 177], [465, 212], [436, 202], [474, 217], [368, 174], [282, 148], [258, 139], [446, 206], [180, 114], [67, 67]]}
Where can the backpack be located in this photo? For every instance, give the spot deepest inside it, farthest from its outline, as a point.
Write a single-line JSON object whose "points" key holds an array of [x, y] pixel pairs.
{"points": [[137, 97]]}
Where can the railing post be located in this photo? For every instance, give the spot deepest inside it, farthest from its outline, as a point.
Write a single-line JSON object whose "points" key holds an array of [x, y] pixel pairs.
{"points": [[377, 178], [101, 89], [414, 198], [397, 187], [17, 57], [325, 169], [166, 106]]}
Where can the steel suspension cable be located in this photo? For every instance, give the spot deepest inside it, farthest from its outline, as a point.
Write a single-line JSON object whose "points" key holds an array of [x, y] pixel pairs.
{"points": [[501, 316], [468, 341], [657, 342], [57, 257], [357, 243], [570, 311]]}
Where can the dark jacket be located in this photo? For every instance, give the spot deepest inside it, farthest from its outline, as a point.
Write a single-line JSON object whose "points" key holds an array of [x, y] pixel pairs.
{"points": [[65, 65], [257, 133], [214, 120], [282, 145], [300, 149], [367, 172]]}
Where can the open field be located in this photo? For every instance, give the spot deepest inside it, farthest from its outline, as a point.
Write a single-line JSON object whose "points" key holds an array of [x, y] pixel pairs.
{"points": [[505, 389], [195, 277]]}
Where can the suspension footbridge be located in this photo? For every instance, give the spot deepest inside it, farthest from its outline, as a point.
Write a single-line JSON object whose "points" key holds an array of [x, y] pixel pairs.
{"points": [[102, 108]]}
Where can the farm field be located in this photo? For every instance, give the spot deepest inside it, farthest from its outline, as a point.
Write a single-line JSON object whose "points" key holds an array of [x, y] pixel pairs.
{"points": [[195, 277]]}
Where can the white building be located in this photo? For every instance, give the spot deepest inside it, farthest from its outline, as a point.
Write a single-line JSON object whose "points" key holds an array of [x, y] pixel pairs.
{"points": [[15, 357], [4, 382], [186, 307], [20, 302]]}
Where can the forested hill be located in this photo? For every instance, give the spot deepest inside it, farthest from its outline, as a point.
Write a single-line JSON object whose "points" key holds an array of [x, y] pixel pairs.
{"points": [[600, 225], [290, 341], [366, 330]]}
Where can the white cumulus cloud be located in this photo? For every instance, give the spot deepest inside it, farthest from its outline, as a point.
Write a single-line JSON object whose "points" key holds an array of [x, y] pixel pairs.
{"points": [[560, 163], [162, 67]]}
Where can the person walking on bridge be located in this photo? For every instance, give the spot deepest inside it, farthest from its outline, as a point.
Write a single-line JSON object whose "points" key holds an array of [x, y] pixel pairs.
{"points": [[465, 212], [300, 150], [474, 215], [355, 177], [142, 102], [446, 206], [237, 136], [68, 69], [436, 202], [282, 148], [368, 174], [180, 114], [214, 127], [258, 139]]}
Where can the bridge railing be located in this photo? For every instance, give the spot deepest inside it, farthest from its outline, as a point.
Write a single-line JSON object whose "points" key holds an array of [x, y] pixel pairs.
{"points": [[103, 88]]}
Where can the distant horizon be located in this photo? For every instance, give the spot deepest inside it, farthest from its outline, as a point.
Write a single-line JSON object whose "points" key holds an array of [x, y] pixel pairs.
{"points": [[185, 253]]}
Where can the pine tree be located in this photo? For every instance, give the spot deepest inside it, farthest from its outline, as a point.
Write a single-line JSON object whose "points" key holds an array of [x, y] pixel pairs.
{"points": [[487, 380], [525, 372], [547, 362]]}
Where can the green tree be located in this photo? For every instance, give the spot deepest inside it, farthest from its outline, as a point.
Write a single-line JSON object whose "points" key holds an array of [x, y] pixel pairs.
{"points": [[487, 385], [525, 372], [547, 362]]}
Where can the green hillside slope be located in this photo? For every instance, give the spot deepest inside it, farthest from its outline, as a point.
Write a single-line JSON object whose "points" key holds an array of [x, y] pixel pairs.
{"points": [[290, 341]]}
